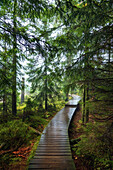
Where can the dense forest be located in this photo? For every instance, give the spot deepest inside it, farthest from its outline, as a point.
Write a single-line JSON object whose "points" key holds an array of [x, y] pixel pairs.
{"points": [[48, 50]]}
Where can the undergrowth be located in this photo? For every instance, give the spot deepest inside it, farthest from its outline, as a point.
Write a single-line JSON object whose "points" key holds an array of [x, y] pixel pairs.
{"points": [[20, 135], [93, 148]]}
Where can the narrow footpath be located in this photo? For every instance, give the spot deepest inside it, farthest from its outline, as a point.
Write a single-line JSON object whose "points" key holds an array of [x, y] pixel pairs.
{"points": [[53, 151]]}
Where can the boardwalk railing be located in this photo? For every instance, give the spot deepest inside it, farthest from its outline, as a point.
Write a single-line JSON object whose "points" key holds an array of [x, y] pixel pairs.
{"points": [[53, 151]]}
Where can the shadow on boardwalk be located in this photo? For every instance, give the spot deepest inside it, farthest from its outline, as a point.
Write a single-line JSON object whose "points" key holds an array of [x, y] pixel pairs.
{"points": [[54, 151]]}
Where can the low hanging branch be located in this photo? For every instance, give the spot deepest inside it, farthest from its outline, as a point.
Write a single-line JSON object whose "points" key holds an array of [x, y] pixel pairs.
{"points": [[34, 130], [110, 117]]}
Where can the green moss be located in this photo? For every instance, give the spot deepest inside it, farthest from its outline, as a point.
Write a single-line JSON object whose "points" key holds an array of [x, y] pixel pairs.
{"points": [[14, 134], [32, 153]]}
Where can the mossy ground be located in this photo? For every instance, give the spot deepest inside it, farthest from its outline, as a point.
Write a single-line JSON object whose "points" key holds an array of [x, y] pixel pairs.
{"points": [[12, 158]]}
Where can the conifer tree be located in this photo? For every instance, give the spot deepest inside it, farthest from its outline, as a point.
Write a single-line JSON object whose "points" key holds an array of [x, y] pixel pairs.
{"points": [[14, 66], [22, 90], [92, 27], [17, 12]]}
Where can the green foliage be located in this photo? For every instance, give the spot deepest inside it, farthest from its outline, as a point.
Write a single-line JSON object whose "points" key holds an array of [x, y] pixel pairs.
{"points": [[38, 117], [96, 145], [16, 18], [5, 158], [29, 104], [36, 122], [14, 134], [77, 56], [33, 150]]}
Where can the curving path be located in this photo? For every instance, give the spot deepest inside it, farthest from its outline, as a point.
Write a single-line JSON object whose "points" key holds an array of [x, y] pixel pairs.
{"points": [[53, 151]]}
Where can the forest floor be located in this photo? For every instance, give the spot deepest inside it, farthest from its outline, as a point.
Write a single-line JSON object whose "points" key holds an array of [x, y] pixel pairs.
{"points": [[19, 159], [74, 133], [20, 156]]}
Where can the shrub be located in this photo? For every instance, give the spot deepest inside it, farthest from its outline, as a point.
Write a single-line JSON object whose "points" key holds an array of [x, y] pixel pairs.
{"points": [[15, 133], [96, 145], [35, 121]]}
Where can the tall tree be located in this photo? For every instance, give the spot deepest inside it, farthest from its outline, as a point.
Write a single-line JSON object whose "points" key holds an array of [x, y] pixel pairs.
{"points": [[22, 90], [14, 67], [18, 13]]}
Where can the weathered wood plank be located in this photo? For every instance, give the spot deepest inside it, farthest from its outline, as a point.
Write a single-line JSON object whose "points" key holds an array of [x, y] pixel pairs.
{"points": [[37, 161], [56, 145], [43, 140], [53, 157], [55, 148], [53, 151], [53, 154], [52, 165], [55, 139]]}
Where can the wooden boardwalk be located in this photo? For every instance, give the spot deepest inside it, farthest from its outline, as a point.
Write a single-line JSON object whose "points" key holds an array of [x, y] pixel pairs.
{"points": [[53, 151]]}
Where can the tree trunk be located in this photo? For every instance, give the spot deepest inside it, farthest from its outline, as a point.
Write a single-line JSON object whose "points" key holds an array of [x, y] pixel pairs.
{"points": [[22, 91], [5, 86], [14, 109], [46, 100], [109, 57], [46, 96], [67, 98], [87, 109], [4, 103], [84, 96]]}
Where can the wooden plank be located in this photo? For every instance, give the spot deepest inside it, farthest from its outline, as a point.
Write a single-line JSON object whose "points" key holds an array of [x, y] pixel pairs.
{"points": [[37, 161], [52, 141], [56, 145], [55, 139], [53, 157], [55, 168], [52, 165], [58, 139], [53, 154], [69, 105], [54, 151]]}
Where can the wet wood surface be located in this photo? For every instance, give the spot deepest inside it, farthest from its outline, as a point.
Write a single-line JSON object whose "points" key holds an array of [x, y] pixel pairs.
{"points": [[53, 151]]}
